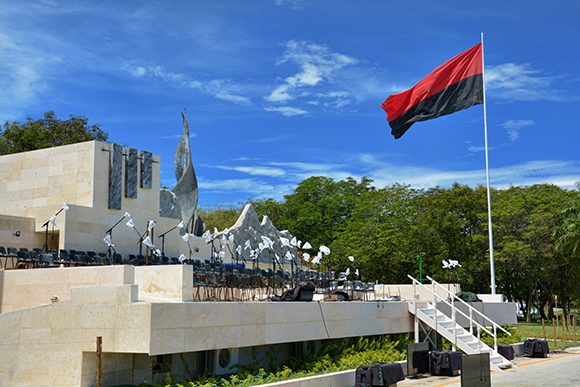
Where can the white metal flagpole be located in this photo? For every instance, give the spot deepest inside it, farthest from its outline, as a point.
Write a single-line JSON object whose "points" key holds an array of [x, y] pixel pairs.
{"points": [[490, 228]]}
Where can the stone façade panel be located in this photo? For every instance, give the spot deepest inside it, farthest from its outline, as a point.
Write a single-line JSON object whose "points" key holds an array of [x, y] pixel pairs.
{"points": [[115, 176], [146, 169], [131, 159]]}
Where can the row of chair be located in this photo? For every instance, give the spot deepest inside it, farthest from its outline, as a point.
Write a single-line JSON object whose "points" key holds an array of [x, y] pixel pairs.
{"points": [[214, 280]]}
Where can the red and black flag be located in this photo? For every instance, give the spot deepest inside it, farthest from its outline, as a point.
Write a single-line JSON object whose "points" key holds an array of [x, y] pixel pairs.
{"points": [[455, 85]]}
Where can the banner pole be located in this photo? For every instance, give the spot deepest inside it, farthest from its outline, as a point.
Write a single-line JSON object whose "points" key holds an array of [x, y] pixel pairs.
{"points": [[490, 228]]}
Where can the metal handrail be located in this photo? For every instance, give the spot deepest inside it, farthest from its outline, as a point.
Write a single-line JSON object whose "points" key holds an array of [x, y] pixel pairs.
{"points": [[448, 303], [469, 306]]}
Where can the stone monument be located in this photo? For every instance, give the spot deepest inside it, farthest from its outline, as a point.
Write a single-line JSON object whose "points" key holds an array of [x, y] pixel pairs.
{"points": [[181, 201]]}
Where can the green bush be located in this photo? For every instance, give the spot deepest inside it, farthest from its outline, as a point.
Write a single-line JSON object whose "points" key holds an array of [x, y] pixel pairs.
{"points": [[335, 355]]}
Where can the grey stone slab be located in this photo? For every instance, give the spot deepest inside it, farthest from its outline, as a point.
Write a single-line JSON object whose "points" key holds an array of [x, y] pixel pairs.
{"points": [[146, 169], [168, 207], [185, 190], [115, 176], [131, 159]]}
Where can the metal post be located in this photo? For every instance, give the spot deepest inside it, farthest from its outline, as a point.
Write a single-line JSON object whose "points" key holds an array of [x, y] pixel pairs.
{"points": [[490, 228], [99, 376], [420, 258], [471, 321], [544, 328], [435, 307], [495, 337], [454, 346], [415, 312], [45, 247]]}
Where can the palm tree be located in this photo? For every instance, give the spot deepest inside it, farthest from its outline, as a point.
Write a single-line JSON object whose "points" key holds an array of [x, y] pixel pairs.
{"points": [[568, 236]]}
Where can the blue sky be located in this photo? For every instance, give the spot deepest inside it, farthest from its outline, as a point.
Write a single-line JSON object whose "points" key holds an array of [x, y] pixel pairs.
{"points": [[280, 90]]}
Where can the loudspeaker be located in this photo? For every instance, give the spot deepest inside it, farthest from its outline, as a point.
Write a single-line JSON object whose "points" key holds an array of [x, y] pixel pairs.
{"points": [[475, 370]]}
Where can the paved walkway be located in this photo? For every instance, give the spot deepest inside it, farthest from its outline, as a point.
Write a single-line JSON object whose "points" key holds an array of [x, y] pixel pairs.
{"points": [[556, 370]]}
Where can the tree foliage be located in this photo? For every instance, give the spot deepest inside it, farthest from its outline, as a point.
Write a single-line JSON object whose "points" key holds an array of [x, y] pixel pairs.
{"points": [[47, 132], [219, 218], [536, 233]]}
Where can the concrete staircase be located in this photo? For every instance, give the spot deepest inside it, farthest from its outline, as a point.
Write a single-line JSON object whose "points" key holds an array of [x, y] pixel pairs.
{"points": [[458, 335], [447, 326]]}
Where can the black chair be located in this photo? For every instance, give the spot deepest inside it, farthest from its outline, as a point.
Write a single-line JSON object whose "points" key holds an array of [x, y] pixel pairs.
{"points": [[117, 259], [91, 257], [23, 260], [4, 254], [103, 259], [232, 284], [333, 286], [79, 259], [46, 260]]}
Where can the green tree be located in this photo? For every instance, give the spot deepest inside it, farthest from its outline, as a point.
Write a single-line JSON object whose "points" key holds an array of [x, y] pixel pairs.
{"points": [[529, 267], [220, 218], [47, 132], [319, 207], [380, 235]]}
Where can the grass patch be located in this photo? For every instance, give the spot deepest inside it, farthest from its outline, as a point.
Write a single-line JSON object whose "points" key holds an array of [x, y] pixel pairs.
{"points": [[527, 330]]}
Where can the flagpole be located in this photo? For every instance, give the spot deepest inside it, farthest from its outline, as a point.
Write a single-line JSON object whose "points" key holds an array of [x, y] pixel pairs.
{"points": [[490, 228]]}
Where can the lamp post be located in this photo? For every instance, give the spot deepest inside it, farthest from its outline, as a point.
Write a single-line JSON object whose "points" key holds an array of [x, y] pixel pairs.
{"points": [[109, 240], [420, 259], [52, 221], [162, 236]]}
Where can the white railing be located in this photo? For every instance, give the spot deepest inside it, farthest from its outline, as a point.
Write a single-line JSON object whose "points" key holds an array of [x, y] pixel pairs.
{"points": [[495, 325], [455, 310]]}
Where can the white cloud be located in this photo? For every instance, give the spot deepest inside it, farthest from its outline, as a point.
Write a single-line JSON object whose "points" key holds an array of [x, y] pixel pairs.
{"points": [[475, 148], [562, 173], [23, 73], [244, 158], [176, 136], [287, 111], [272, 139], [297, 171], [255, 170], [513, 127], [317, 66], [294, 4], [257, 188], [288, 173], [218, 88], [521, 82]]}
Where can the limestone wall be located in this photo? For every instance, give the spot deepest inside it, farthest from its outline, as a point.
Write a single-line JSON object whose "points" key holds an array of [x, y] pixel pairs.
{"points": [[10, 225], [44, 346], [21, 289], [173, 282], [405, 291], [37, 183], [40, 181]]}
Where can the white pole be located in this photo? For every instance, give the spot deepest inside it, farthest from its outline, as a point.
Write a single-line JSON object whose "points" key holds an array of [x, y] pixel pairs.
{"points": [[490, 228]]}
